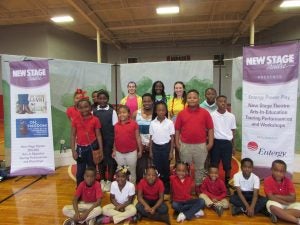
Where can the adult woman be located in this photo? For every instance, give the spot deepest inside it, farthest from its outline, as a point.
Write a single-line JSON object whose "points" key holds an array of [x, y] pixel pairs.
{"points": [[132, 100], [178, 101], [143, 118]]}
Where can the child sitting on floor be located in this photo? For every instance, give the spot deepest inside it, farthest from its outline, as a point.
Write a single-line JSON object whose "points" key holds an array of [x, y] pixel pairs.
{"points": [[122, 193], [86, 202], [281, 194], [213, 191]]}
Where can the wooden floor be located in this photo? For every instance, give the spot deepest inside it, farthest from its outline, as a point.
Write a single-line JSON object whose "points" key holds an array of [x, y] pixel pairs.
{"points": [[39, 200]]}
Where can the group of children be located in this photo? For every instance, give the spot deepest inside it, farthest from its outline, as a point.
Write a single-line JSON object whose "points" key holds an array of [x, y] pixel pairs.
{"points": [[279, 201], [122, 143]]}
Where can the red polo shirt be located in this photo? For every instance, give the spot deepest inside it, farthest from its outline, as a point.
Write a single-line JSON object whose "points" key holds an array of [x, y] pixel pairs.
{"points": [[89, 194], [193, 125], [72, 112], [213, 189], [151, 192], [125, 140], [181, 190], [86, 126], [271, 186]]}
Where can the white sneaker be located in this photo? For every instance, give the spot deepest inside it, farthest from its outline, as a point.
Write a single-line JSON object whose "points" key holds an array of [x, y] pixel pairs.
{"points": [[199, 213], [92, 221], [180, 218], [107, 186], [102, 182]]}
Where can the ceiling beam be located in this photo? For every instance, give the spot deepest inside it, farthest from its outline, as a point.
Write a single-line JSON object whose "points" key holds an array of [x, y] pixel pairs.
{"points": [[252, 14], [173, 24], [94, 20]]}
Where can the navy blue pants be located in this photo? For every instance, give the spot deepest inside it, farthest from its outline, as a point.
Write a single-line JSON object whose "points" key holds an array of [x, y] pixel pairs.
{"points": [[259, 206], [84, 160], [162, 163], [189, 207], [222, 150], [162, 209], [108, 162]]}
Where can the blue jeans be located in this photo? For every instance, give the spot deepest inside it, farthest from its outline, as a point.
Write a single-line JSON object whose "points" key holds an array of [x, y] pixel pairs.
{"points": [[162, 163], [189, 207], [84, 160]]}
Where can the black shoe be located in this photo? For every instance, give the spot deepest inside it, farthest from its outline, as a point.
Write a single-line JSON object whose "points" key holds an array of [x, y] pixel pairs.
{"points": [[273, 218], [138, 216], [236, 210], [219, 210]]}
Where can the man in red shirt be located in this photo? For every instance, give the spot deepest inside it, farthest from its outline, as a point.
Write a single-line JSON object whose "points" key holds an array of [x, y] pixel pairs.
{"points": [[87, 200], [193, 126], [281, 194]]}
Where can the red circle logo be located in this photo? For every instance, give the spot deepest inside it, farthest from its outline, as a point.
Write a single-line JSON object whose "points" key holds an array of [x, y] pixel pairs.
{"points": [[252, 146]]}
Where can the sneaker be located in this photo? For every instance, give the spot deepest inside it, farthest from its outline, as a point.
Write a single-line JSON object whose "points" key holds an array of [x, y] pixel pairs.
{"points": [[199, 213], [107, 186], [92, 221], [236, 210], [273, 218], [69, 221], [219, 210], [102, 182], [104, 220], [180, 218]]}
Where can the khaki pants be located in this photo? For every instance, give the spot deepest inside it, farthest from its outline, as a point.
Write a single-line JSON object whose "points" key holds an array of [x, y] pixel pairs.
{"points": [[295, 205], [128, 159], [109, 210], [69, 211], [195, 153], [208, 202]]}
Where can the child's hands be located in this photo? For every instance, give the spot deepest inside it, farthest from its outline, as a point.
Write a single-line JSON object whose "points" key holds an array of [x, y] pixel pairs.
{"points": [[148, 209], [139, 154], [214, 200], [152, 211], [171, 155], [76, 217], [113, 154], [75, 155], [83, 215], [250, 211]]}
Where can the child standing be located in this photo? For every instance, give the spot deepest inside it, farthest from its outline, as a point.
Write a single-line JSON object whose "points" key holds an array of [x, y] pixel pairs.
{"points": [[193, 126], [143, 118], [94, 99], [210, 102], [72, 112], [122, 193], [127, 143], [162, 143], [281, 194], [86, 202], [108, 119], [182, 202], [85, 132], [246, 198], [213, 191], [224, 131], [151, 197]]}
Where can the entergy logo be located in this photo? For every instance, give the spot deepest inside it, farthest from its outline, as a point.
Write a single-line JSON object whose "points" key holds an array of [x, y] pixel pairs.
{"points": [[252, 146]]}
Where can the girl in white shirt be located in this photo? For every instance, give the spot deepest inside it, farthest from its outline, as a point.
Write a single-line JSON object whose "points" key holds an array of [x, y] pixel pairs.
{"points": [[122, 193]]}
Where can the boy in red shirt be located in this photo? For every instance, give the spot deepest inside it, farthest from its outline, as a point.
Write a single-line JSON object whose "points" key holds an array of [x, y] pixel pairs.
{"points": [[281, 194], [193, 127], [213, 191], [86, 202]]}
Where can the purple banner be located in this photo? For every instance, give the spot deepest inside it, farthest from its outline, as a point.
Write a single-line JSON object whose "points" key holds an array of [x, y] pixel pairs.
{"points": [[271, 64], [29, 73]]}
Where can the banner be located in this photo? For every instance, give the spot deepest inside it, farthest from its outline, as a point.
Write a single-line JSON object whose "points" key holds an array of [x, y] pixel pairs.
{"points": [[270, 82], [31, 123], [194, 74]]}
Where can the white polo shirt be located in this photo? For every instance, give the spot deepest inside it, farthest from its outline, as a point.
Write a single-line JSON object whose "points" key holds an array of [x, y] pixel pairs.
{"points": [[246, 184], [122, 196], [161, 131], [223, 125]]}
